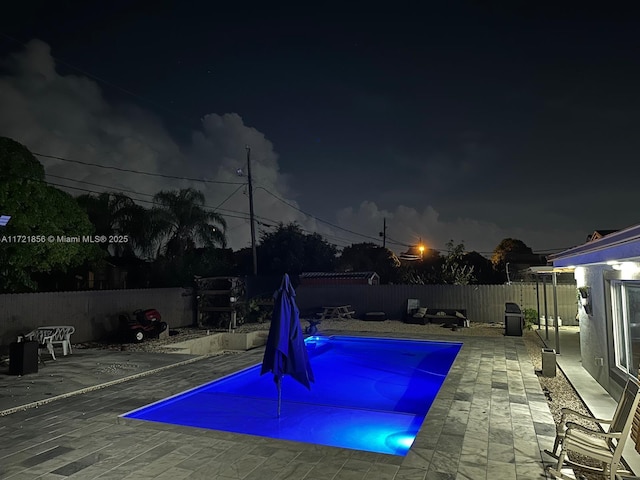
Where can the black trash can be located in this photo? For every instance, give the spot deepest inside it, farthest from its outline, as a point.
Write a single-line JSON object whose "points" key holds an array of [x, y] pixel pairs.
{"points": [[513, 320], [23, 358]]}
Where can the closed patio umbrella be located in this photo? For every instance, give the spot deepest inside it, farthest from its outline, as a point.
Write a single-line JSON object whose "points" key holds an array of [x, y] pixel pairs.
{"points": [[286, 353]]}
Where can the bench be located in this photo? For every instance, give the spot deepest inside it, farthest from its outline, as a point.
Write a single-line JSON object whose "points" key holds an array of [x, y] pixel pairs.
{"points": [[446, 316], [48, 336], [375, 316]]}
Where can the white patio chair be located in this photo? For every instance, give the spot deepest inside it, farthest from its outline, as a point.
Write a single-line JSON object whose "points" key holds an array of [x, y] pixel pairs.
{"points": [[603, 447], [50, 335]]}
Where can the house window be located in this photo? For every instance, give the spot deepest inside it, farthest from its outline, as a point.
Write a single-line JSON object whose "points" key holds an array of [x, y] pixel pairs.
{"points": [[626, 325]]}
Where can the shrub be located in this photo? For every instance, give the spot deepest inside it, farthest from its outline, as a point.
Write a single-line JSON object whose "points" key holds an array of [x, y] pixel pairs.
{"points": [[260, 310], [530, 318]]}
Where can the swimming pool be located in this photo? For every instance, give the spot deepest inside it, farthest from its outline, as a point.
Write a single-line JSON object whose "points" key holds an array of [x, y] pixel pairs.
{"points": [[370, 394]]}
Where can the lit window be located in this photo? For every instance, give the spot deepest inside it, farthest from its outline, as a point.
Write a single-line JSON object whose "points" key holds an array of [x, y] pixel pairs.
{"points": [[626, 325]]}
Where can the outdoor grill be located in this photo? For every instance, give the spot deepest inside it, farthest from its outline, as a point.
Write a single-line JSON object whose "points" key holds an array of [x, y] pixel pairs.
{"points": [[513, 320]]}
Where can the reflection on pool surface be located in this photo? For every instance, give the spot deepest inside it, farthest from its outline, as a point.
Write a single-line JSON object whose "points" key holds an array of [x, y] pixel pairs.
{"points": [[370, 394]]}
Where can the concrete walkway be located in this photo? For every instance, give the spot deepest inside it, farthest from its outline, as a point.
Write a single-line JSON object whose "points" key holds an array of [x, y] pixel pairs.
{"points": [[85, 370], [490, 421]]}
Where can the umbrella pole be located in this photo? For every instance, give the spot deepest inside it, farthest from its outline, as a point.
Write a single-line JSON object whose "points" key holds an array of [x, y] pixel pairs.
{"points": [[278, 382]]}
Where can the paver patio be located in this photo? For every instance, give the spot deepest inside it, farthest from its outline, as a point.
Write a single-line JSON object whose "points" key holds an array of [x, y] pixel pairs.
{"points": [[490, 421]]}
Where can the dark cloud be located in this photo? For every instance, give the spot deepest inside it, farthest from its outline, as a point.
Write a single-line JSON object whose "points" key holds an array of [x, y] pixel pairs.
{"points": [[68, 116], [473, 122]]}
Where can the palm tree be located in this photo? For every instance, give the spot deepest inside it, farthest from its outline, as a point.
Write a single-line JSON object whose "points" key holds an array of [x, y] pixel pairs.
{"points": [[117, 214], [181, 223]]}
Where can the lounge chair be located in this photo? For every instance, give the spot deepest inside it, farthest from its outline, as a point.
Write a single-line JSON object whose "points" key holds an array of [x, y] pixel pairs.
{"points": [[604, 447]]}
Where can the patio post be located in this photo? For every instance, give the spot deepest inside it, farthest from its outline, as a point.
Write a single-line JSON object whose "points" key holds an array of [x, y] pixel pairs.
{"points": [[538, 300], [546, 314], [555, 311]]}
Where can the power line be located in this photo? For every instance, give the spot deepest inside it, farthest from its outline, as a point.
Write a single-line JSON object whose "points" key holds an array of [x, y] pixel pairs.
{"points": [[230, 195], [240, 185], [117, 190], [245, 217], [139, 172], [121, 190], [137, 199], [369, 237], [135, 95], [191, 123], [218, 207], [392, 240]]}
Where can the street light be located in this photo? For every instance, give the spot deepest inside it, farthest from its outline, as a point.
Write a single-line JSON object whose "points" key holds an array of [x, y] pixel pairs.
{"points": [[421, 248]]}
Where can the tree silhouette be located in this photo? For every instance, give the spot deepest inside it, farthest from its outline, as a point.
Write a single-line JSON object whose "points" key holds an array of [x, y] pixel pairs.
{"points": [[369, 257], [509, 249], [117, 214], [38, 212], [181, 223], [289, 250], [454, 268]]}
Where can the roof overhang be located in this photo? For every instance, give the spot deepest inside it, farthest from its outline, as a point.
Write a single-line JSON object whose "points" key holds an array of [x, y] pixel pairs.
{"points": [[549, 270], [623, 245]]}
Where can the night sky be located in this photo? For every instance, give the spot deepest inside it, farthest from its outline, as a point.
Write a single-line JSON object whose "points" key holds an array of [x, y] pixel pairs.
{"points": [[472, 121]]}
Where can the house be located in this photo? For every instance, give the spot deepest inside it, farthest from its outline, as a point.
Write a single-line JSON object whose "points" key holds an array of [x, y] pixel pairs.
{"points": [[598, 234], [339, 278], [607, 274]]}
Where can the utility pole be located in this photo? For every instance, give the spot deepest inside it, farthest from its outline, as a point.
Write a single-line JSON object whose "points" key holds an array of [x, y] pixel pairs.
{"points": [[383, 233], [251, 215]]}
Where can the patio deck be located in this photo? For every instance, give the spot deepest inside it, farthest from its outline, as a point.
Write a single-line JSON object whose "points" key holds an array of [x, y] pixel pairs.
{"points": [[489, 421]]}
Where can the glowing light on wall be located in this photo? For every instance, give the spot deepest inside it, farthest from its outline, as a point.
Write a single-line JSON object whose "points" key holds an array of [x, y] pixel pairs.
{"points": [[580, 275], [628, 270]]}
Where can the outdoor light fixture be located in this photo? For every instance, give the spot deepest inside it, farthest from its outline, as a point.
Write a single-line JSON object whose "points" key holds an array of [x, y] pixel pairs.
{"points": [[628, 270], [585, 299], [4, 219]]}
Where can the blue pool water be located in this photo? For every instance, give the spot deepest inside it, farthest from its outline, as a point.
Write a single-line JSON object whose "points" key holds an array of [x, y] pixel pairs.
{"points": [[370, 394]]}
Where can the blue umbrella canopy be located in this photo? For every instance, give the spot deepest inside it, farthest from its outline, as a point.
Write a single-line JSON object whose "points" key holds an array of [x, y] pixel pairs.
{"points": [[286, 353]]}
